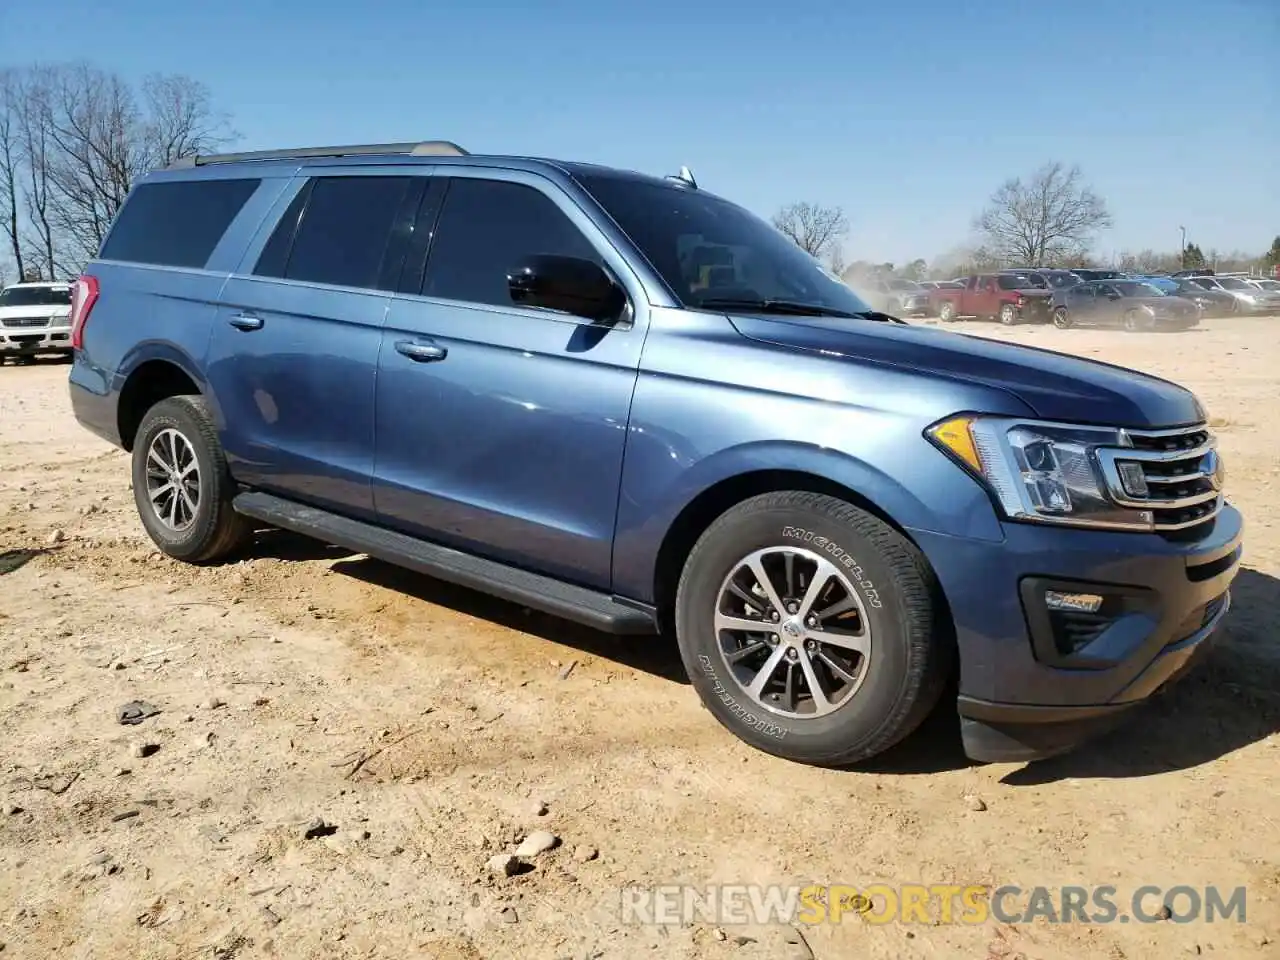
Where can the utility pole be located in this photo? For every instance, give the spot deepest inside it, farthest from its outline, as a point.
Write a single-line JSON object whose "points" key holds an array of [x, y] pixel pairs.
{"points": [[1182, 251]]}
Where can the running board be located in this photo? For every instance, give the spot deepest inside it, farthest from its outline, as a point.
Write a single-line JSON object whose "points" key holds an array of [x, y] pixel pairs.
{"points": [[580, 604]]}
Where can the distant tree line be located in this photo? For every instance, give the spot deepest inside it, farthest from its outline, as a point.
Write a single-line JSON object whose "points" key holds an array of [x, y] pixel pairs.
{"points": [[1050, 219], [73, 139]]}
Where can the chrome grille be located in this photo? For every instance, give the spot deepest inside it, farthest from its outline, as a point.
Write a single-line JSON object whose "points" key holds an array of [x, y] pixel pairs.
{"points": [[25, 321], [1175, 475]]}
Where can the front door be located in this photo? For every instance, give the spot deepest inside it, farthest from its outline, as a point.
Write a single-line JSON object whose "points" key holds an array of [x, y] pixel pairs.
{"points": [[294, 350], [501, 428]]}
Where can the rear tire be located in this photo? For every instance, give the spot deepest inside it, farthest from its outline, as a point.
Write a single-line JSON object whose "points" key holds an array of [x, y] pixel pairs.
{"points": [[872, 637], [1008, 315], [181, 485]]}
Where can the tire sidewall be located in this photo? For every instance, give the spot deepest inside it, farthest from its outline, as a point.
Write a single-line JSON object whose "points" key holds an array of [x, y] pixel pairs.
{"points": [[1007, 316], [173, 414], [947, 312], [1061, 319], [875, 702]]}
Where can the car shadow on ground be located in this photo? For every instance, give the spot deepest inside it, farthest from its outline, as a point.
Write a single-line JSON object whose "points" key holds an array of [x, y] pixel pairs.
{"points": [[656, 655], [1231, 700]]}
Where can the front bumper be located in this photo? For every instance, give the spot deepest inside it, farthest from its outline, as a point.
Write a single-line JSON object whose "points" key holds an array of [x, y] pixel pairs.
{"points": [[1262, 309], [1021, 696], [24, 340]]}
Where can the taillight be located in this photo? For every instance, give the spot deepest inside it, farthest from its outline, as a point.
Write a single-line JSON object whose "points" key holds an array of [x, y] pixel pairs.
{"points": [[1021, 301], [83, 296]]}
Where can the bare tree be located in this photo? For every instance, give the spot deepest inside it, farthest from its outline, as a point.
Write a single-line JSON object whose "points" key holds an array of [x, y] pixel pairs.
{"points": [[814, 228], [37, 155], [105, 140], [10, 164], [1050, 218]]}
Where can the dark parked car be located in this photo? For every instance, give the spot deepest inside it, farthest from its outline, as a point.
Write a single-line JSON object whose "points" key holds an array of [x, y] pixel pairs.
{"points": [[1122, 303], [1212, 303], [621, 399]]}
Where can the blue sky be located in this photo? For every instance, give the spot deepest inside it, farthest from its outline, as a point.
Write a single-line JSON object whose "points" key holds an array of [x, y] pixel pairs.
{"points": [[908, 114]]}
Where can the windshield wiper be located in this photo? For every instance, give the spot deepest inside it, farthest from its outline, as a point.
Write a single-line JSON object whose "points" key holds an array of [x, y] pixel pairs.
{"points": [[788, 307]]}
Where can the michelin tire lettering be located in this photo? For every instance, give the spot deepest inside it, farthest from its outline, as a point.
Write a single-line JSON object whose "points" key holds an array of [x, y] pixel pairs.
{"points": [[841, 556], [767, 727]]}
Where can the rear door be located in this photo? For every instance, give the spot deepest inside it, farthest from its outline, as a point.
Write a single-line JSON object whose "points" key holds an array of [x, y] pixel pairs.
{"points": [[294, 349], [501, 428]]}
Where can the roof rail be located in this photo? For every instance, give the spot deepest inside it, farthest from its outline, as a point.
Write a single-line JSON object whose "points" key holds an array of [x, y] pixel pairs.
{"points": [[422, 148]]}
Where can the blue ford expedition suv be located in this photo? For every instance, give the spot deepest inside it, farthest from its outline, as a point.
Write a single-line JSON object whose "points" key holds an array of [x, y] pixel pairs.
{"points": [[623, 400]]}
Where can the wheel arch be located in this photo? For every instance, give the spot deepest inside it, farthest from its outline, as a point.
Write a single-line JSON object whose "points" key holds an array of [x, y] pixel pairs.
{"points": [[147, 378], [700, 512]]}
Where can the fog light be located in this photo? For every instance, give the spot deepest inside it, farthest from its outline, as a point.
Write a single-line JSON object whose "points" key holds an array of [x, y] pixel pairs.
{"points": [[1072, 602]]}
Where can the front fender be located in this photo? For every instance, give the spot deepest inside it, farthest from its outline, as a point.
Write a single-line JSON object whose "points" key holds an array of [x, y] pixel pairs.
{"points": [[933, 493]]}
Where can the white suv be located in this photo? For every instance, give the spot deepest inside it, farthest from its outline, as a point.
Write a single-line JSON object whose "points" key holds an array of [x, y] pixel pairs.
{"points": [[35, 318]]}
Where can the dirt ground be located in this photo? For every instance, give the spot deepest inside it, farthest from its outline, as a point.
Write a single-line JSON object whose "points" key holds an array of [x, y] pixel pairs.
{"points": [[431, 728]]}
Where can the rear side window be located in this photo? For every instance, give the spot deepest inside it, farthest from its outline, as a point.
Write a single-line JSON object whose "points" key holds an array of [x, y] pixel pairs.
{"points": [[176, 224], [484, 228], [343, 233]]}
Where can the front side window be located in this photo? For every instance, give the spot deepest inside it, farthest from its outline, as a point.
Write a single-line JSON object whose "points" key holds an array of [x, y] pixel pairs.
{"points": [[708, 249], [485, 228]]}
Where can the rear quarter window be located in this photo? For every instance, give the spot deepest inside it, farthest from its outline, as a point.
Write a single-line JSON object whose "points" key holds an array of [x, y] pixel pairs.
{"points": [[177, 223]]}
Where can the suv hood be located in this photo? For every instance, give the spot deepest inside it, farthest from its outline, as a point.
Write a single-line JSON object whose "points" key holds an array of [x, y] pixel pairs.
{"points": [[37, 310], [1054, 385]]}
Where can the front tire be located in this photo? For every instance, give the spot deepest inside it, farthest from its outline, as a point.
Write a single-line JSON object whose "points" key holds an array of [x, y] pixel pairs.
{"points": [[181, 485], [947, 312], [1061, 319], [851, 652]]}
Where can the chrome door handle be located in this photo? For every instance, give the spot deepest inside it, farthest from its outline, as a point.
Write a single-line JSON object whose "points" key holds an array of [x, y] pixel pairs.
{"points": [[421, 351], [245, 321]]}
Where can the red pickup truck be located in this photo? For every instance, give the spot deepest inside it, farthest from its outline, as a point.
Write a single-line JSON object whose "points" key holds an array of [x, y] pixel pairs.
{"points": [[993, 296]]}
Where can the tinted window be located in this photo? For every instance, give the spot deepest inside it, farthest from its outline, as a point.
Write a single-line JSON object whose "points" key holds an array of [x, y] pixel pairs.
{"points": [[35, 297], [484, 228], [1083, 290], [344, 231], [707, 249], [176, 224]]}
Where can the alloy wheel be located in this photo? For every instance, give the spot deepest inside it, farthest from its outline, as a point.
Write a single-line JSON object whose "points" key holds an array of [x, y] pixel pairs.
{"points": [[173, 480], [793, 632]]}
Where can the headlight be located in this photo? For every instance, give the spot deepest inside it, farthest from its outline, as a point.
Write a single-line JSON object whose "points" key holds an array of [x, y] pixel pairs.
{"points": [[1038, 472]]}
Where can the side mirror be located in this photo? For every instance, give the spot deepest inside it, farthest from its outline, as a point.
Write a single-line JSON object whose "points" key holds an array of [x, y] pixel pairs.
{"points": [[566, 284]]}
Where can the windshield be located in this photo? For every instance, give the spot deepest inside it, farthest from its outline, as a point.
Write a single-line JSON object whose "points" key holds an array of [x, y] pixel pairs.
{"points": [[1133, 288], [35, 297], [1234, 283], [708, 249]]}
